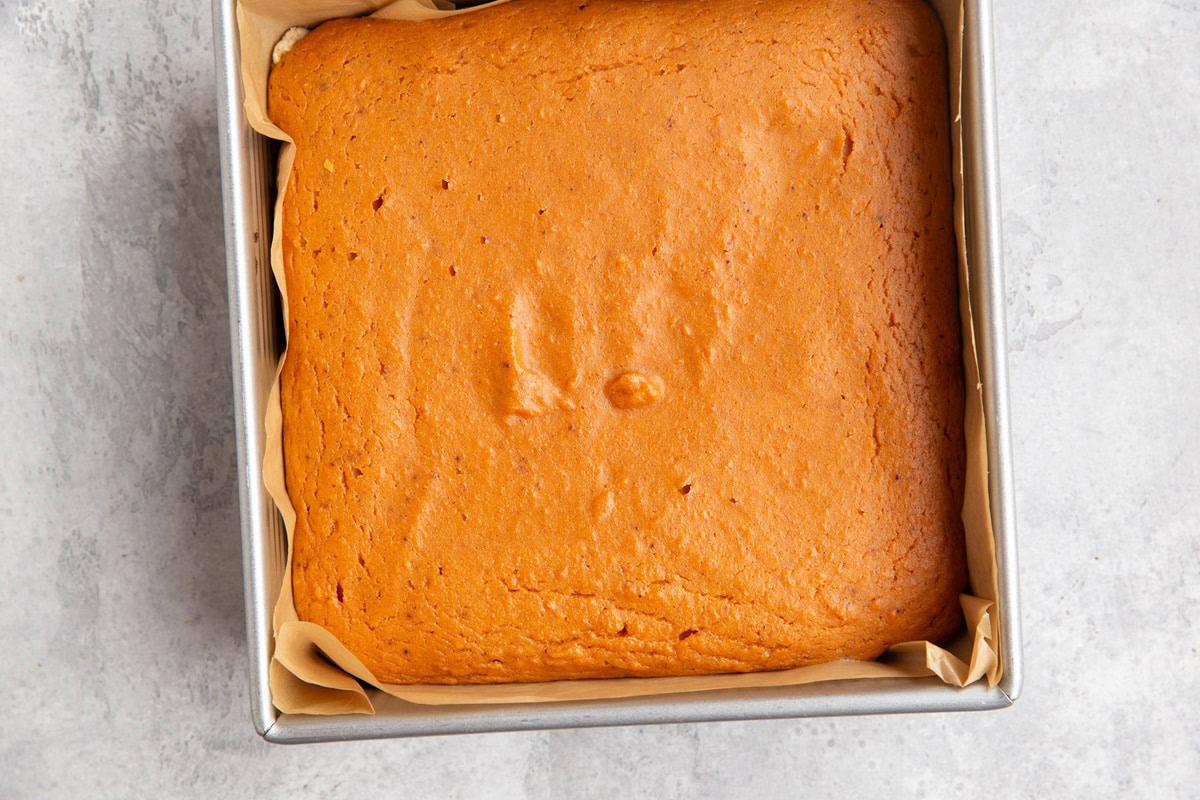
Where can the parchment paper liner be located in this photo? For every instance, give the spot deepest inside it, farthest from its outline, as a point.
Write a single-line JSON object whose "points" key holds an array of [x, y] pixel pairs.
{"points": [[313, 673]]}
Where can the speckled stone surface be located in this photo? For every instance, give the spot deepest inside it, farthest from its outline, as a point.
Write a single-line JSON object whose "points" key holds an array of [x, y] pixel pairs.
{"points": [[124, 665]]}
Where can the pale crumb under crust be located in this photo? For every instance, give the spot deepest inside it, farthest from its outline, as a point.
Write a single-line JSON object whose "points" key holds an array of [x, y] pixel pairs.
{"points": [[287, 42]]}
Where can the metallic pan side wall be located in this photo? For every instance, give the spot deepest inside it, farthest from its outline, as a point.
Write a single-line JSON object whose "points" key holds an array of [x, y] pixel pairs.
{"points": [[246, 170], [982, 186]]}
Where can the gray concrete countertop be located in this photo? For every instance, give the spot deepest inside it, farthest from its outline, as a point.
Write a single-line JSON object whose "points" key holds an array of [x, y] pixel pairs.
{"points": [[124, 669]]}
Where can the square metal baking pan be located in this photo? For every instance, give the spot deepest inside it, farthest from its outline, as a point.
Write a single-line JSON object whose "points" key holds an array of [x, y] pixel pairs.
{"points": [[248, 167]]}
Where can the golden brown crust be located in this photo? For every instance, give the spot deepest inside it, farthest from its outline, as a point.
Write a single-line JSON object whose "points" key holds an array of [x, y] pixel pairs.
{"points": [[623, 337]]}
